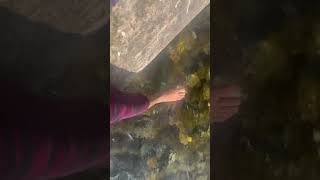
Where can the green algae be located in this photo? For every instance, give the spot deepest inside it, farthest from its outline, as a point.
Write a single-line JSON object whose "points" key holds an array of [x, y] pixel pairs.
{"points": [[173, 139]]}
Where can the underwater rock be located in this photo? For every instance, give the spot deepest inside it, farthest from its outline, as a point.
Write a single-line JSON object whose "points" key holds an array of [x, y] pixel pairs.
{"points": [[147, 150], [141, 29], [163, 154], [128, 163], [72, 16]]}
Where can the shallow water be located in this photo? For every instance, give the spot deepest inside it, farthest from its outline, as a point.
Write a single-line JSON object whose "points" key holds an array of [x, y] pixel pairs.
{"points": [[146, 146]]}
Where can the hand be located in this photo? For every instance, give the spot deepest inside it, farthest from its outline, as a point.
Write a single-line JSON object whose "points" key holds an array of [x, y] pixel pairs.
{"points": [[169, 96], [226, 102], [172, 95]]}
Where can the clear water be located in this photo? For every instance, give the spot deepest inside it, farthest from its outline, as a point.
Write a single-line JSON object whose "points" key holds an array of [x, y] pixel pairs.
{"points": [[147, 146]]}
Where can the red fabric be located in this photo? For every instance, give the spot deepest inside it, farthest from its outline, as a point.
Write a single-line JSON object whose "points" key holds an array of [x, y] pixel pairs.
{"points": [[27, 156], [18, 147], [126, 105], [32, 153], [39, 164]]}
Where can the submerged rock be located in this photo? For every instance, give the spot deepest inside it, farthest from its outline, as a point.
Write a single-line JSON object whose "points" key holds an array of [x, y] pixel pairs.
{"points": [[141, 29]]}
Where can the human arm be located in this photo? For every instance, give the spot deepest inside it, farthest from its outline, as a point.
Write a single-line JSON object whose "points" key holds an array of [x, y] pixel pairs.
{"points": [[168, 96], [126, 105]]}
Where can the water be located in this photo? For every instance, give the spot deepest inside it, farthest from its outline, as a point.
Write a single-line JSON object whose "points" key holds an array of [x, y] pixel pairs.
{"points": [[152, 146], [272, 136]]}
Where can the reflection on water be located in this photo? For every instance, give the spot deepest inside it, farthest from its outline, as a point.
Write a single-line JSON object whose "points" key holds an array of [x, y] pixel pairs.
{"points": [[171, 141]]}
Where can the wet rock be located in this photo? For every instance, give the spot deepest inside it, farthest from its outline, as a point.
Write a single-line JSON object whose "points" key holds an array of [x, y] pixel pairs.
{"points": [[141, 29]]}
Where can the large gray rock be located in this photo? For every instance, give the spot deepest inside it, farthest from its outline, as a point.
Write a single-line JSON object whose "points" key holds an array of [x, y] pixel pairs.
{"points": [[141, 29], [75, 16]]}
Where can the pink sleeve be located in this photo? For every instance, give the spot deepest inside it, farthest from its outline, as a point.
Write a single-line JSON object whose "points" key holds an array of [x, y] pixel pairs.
{"points": [[126, 105]]}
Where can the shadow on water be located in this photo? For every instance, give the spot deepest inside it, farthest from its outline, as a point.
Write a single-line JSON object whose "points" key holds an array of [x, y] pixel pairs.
{"points": [[50, 79]]}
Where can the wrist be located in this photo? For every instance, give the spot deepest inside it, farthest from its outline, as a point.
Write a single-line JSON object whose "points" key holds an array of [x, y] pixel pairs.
{"points": [[153, 102]]}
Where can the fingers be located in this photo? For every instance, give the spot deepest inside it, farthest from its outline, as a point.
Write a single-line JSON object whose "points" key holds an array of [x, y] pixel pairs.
{"points": [[181, 90], [173, 95], [182, 93]]}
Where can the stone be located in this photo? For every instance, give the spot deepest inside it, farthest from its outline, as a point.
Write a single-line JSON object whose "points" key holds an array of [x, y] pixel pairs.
{"points": [[73, 16], [141, 29]]}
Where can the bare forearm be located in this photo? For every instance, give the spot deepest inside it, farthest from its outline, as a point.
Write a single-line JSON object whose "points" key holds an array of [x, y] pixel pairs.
{"points": [[168, 96], [153, 102]]}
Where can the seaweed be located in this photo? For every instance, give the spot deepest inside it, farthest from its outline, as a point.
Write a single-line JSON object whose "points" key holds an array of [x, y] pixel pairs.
{"points": [[173, 139]]}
